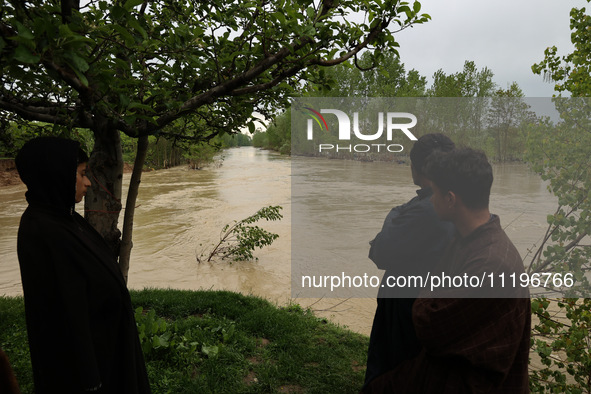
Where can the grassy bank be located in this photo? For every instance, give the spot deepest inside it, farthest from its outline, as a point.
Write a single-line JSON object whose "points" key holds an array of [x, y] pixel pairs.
{"points": [[222, 342]]}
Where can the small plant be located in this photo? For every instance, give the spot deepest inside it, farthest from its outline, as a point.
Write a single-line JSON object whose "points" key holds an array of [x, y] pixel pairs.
{"points": [[157, 337], [242, 238], [152, 330], [562, 340]]}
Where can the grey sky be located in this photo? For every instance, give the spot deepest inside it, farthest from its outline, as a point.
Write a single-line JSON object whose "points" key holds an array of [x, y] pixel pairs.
{"points": [[507, 36]]}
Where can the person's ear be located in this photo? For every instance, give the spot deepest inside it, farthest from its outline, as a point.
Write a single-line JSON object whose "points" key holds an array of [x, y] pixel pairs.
{"points": [[451, 198]]}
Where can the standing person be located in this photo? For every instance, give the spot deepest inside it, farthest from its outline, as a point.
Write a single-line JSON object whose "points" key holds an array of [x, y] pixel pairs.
{"points": [[469, 344], [80, 323], [411, 241]]}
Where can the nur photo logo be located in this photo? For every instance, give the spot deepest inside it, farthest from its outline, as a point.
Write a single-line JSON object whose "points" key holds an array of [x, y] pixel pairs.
{"points": [[350, 128]]}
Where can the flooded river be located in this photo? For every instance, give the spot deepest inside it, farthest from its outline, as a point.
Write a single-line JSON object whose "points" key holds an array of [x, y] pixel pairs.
{"points": [[181, 212]]}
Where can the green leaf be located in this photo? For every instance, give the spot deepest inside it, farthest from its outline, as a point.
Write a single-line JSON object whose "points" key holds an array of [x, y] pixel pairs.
{"points": [[117, 12], [65, 31], [129, 4], [136, 26], [405, 9], [128, 38], [416, 7], [122, 64], [24, 55], [76, 62], [24, 32], [145, 107], [124, 100], [210, 351]]}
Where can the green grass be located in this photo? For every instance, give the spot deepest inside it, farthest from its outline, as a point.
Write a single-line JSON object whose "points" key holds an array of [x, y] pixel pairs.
{"points": [[222, 342]]}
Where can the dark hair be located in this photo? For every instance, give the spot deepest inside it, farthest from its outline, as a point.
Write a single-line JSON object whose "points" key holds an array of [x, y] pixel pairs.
{"points": [[426, 145], [82, 156], [466, 172]]}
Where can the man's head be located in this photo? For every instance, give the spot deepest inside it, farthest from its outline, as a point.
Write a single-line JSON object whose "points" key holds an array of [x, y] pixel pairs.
{"points": [[421, 150], [461, 179]]}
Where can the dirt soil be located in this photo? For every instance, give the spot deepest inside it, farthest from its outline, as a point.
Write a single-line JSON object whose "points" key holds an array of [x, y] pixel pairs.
{"points": [[9, 178]]}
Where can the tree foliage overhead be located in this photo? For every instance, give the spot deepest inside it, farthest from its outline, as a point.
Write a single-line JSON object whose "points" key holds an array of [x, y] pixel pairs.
{"points": [[140, 65], [136, 66], [572, 72], [562, 155]]}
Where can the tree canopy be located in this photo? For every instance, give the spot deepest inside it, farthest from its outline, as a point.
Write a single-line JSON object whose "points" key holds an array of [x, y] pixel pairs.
{"points": [[137, 66], [140, 65], [561, 153], [571, 72]]}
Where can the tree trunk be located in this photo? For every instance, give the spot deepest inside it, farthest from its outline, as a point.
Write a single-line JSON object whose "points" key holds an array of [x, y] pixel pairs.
{"points": [[103, 201], [134, 185], [499, 137]]}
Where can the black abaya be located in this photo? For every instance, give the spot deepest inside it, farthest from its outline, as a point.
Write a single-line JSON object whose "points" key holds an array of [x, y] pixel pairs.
{"points": [[81, 329]]}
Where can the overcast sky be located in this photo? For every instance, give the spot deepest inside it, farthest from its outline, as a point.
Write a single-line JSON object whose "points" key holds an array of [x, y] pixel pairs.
{"points": [[507, 36]]}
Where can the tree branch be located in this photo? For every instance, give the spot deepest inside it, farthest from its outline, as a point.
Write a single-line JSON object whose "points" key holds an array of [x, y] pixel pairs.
{"points": [[230, 87], [69, 78], [39, 113], [267, 85], [567, 248]]}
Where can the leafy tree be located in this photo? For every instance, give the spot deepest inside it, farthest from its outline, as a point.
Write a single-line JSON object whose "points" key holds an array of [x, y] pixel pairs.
{"points": [[390, 79], [561, 340], [279, 133], [343, 80], [240, 239], [463, 120], [470, 82], [260, 140], [572, 72], [199, 155], [507, 118], [233, 140], [361, 78], [367, 77], [13, 135], [562, 154], [136, 66], [163, 153]]}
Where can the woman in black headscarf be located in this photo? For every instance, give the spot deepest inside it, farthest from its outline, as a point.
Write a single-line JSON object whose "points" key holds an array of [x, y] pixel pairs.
{"points": [[81, 329]]}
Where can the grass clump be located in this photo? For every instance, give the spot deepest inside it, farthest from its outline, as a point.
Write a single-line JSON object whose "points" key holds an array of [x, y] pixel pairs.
{"points": [[222, 342]]}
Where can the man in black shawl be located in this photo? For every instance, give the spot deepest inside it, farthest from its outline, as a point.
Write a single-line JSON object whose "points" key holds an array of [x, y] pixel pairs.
{"points": [[411, 241], [471, 343], [80, 323]]}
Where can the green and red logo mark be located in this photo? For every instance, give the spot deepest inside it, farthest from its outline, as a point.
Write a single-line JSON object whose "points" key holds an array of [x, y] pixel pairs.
{"points": [[318, 118]]}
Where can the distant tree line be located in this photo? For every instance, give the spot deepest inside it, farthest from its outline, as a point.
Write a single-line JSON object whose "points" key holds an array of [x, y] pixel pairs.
{"points": [[163, 151], [497, 129]]}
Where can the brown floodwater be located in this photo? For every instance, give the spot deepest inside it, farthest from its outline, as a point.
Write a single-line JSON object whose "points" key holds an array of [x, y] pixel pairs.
{"points": [[181, 212]]}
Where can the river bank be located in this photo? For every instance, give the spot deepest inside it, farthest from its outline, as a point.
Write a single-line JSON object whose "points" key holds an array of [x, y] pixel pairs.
{"points": [[9, 175], [222, 342]]}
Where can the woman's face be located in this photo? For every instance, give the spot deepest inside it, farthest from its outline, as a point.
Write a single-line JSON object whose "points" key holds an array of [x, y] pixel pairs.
{"points": [[82, 182]]}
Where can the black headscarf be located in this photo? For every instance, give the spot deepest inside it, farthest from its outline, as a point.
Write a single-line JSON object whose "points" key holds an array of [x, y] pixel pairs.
{"points": [[47, 165]]}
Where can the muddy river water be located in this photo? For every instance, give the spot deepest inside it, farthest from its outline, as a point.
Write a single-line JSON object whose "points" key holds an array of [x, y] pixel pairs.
{"points": [[180, 214]]}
